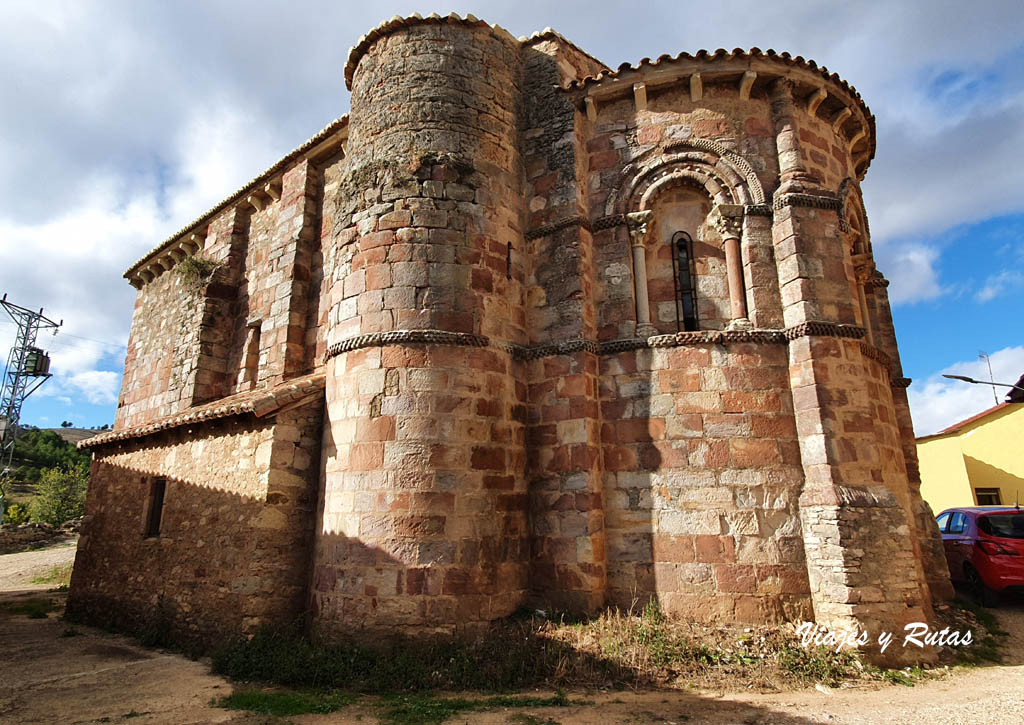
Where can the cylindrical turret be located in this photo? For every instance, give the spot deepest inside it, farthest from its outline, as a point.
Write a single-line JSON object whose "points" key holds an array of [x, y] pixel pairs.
{"points": [[424, 520]]}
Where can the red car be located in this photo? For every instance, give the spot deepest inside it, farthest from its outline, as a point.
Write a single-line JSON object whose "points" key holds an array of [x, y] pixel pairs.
{"points": [[985, 548]]}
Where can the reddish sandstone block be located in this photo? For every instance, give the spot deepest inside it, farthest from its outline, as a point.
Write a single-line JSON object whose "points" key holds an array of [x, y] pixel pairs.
{"points": [[487, 458], [640, 429], [736, 578], [754, 453]]}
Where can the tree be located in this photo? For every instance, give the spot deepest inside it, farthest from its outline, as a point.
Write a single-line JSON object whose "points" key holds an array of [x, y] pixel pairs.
{"points": [[67, 424], [61, 495]]}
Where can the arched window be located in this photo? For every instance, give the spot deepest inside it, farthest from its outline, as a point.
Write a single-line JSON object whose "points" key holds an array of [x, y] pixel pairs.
{"points": [[684, 277]]}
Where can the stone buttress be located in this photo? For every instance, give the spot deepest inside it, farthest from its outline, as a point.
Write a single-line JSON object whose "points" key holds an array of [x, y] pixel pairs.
{"points": [[423, 520]]}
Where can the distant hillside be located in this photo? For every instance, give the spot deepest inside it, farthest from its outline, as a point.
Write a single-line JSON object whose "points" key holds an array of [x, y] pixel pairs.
{"points": [[73, 435]]}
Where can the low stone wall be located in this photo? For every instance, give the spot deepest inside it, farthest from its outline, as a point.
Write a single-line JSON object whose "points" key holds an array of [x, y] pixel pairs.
{"points": [[235, 535]]}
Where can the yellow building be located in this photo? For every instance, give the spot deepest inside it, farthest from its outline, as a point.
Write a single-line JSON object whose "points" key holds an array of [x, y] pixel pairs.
{"points": [[978, 461]]}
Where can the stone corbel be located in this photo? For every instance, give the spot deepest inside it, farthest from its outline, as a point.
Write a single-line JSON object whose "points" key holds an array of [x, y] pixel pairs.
{"points": [[255, 201], [273, 189], [591, 106], [746, 83], [640, 96], [840, 119], [814, 100], [637, 223], [177, 254], [696, 87], [861, 133]]}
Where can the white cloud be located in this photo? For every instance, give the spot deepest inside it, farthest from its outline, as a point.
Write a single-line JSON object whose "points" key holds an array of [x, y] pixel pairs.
{"points": [[938, 402], [911, 270], [998, 284], [99, 387]]}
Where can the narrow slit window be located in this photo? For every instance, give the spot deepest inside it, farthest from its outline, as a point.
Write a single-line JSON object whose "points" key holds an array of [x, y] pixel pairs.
{"points": [[685, 278], [508, 261], [155, 509]]}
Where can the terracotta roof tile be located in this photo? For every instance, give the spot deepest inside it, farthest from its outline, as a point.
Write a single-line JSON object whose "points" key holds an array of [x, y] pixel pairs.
{"points": [[256, 402]]}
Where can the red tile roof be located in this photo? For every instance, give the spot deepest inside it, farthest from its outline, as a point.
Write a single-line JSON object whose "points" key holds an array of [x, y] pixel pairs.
{"points": [[259, 403]]}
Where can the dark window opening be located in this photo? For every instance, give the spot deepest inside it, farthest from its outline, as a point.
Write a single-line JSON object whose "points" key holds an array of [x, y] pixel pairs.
{"points": [[156, 506], [988, 496], [508, 262], [684, 277]]}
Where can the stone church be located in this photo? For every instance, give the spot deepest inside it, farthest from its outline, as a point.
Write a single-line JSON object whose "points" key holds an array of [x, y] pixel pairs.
{"points": [[522, 330]]}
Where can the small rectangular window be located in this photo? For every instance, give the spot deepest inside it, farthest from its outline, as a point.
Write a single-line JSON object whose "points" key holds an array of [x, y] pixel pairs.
{"points": [[988, 496], [155, 506]]}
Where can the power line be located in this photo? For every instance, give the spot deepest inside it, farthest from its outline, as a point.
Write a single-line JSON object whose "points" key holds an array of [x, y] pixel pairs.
{"points": [[28, 367]]}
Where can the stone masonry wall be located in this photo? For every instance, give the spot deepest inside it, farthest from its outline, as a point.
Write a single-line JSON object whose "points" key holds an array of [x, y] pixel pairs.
{"points": [[702, 482], [235, 536]]}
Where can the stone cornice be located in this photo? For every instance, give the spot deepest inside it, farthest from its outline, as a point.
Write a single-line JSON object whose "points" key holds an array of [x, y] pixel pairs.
{"points": [[400, 337], [563, 347], [817, 328], [812, 201], [552, 227]]}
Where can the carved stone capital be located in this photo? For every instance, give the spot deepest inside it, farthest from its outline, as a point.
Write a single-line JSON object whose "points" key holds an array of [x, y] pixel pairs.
{"points": [[637, 223], [727, 220], [863, 267]]}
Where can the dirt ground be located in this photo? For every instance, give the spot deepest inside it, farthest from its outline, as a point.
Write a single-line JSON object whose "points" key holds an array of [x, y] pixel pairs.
{"points": [[53, 672]]}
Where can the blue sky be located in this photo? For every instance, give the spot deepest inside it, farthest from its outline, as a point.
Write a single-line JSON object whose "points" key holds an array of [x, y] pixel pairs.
{"points": [[120, 121]]}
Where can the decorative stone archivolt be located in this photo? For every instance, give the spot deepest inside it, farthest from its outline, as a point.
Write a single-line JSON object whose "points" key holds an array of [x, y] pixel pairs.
{"points": [[727, 176]]}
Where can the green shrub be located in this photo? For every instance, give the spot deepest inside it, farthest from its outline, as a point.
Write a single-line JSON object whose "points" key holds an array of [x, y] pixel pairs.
{"points": [[60, 495], [16, 515]]}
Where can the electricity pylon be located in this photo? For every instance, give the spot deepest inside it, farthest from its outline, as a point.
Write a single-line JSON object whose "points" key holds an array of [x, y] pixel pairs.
{"points": [[28, 367]]}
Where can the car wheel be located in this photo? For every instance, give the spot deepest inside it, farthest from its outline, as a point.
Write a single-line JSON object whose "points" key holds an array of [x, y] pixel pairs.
{"points": [[986, 597]]}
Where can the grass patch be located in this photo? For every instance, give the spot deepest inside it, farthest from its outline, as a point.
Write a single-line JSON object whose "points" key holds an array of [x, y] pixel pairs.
{"points": [[987, 645], [283, 703], [34, 608], [614, 649], [59, 576], [427, 709]]}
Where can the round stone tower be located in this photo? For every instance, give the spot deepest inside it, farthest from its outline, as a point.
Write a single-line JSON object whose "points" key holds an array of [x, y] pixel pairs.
{"points": [[423, 523]]}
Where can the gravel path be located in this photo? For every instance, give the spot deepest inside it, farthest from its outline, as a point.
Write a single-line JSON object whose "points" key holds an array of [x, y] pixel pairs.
{"points": [[46, 675], [18, 570]]}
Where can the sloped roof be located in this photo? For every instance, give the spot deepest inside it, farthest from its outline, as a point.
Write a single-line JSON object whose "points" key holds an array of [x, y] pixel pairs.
{"points": [[956, 427], [259, 403]]}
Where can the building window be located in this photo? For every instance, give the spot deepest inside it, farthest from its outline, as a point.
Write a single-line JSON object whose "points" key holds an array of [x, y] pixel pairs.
{"points": [[684, 277], [155, 506], [988, 497]]}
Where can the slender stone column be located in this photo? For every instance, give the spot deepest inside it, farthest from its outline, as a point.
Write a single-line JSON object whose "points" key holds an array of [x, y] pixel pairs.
{"points": [[637, 223], [728, 220], [863, 268]]}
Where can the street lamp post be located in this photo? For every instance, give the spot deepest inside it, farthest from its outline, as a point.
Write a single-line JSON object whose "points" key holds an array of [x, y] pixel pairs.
{"points": [[966, 379]]}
